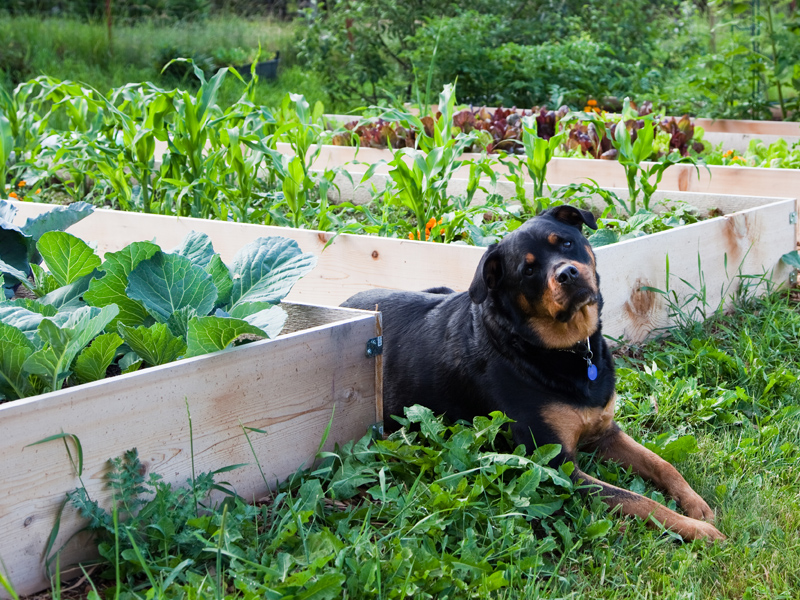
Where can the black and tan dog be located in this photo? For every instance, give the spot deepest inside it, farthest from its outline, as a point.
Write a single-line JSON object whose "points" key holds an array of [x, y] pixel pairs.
{"points": [[526, 340]]}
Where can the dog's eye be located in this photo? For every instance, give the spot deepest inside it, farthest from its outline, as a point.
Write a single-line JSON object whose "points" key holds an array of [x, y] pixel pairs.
{"points": [[528, 271], [567, 244]]}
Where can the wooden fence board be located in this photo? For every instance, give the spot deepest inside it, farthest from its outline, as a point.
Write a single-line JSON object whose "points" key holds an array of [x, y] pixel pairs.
{"points": [[756, 128], [288, 387], [713, 179], [353, 263]]}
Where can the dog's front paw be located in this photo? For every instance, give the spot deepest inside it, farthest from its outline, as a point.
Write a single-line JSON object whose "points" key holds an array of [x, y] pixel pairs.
{"points": [[696, 508], [702, 530]]}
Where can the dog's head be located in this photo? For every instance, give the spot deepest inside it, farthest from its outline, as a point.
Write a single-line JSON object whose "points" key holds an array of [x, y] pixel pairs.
{"points": [[544, 273]]}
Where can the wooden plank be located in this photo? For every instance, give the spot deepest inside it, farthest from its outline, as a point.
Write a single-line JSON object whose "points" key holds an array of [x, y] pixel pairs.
{"points": [[741, 141], [749, 242], [705, 202], [741, 181], [349, 265], [755, 128], [288, 387], [353, 263], [714, 179]]}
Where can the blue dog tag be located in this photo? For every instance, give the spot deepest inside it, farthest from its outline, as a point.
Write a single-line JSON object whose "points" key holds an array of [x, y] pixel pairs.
{"points": [[591, 372]]}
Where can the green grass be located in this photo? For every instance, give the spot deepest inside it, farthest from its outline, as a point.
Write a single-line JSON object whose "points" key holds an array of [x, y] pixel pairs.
{"points": [[447, 513], [79, 51]]}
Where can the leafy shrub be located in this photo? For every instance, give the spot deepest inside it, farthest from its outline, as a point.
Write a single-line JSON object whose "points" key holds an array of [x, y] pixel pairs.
{"points": [[562, 73], [380, 49], [124, 11]]}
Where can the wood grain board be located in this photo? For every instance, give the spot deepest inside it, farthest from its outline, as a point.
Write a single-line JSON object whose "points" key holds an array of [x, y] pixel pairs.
{"points": [[756, 128], [714, 179], [289, 387], [755, 238]]}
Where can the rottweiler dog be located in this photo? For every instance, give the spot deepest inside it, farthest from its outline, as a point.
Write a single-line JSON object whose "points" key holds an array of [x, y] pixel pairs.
{"points": [[526, 340]]}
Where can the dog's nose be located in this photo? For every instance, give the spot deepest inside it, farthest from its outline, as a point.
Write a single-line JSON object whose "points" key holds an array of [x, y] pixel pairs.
{"points": [[567, 274]]}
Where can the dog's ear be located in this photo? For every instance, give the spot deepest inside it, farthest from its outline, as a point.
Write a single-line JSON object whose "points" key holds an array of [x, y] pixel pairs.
{"points": [[488, 275], [573, 216]]}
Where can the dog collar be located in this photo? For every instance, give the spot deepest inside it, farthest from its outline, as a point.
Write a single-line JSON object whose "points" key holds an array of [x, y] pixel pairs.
{"points": [[587, 355]]}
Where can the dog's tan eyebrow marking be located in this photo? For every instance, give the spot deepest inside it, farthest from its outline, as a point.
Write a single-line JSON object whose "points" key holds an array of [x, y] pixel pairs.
{"points": [[530, 258], [553, 238]]}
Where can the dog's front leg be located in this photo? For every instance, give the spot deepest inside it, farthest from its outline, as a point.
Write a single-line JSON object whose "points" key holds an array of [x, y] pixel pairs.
{"points": [[618, 446], [643, 507]]}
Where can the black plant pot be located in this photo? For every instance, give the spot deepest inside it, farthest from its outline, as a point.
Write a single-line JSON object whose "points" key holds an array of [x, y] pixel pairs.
{"points": [[267, 69]]}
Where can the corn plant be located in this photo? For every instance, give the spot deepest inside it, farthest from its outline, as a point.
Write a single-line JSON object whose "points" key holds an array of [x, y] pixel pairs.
{"points": [[633, 151], [6, 148], [420, 176], [538, 153]]}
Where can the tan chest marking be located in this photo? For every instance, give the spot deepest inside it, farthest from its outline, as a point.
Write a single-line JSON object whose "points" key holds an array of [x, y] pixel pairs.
{"points": [[576, 426], [555, 334]]}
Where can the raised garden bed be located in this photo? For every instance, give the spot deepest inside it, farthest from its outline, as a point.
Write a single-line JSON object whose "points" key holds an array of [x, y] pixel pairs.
{"points": [[750, 242], [505, 126], [714, 179], [289, 386], [289, 389], [737, 135]]}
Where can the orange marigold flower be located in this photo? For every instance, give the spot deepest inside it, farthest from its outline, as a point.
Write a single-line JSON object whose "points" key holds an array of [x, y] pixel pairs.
{"points": [[411, 236], [38, 191], [728, 154], [591, 102], [21, 183], [587, 109], [13, 195], [442, 230]]}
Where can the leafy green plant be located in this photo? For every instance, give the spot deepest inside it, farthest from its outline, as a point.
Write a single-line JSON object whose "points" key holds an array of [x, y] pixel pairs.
{"points": [[421, 176], [633, 151], [777, 155], [538, 153], [449, 498], [643, 222], [140, 306], [18, 245]]}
